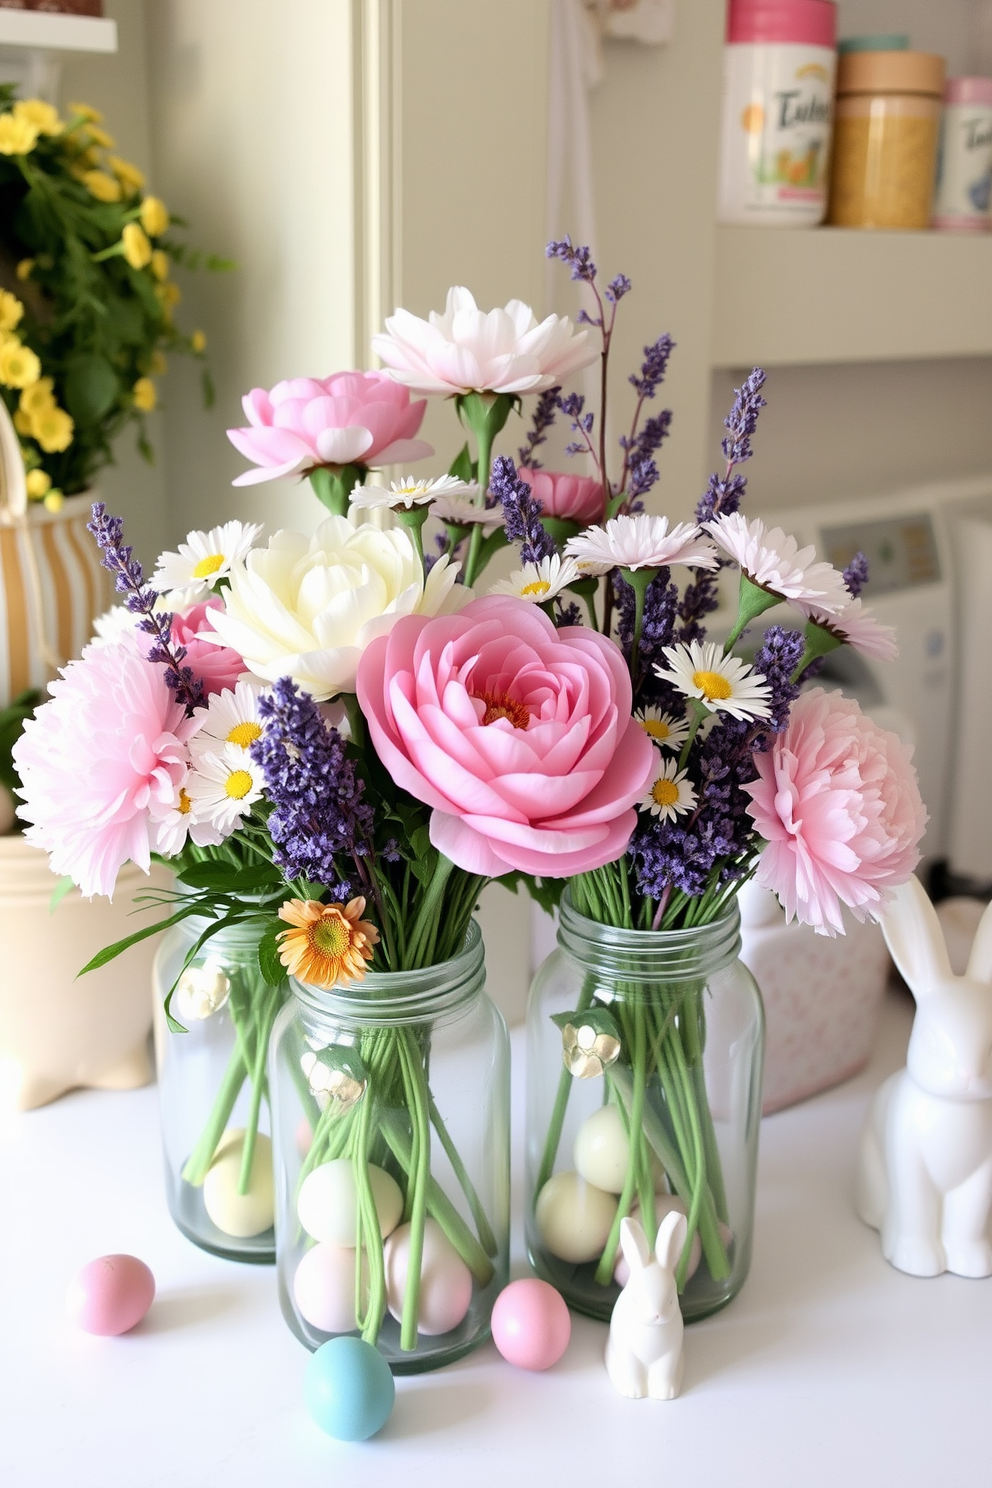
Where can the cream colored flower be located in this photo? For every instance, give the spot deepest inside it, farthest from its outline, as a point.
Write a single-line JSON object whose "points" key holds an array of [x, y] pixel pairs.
{"points": [[154, 217], [308, 608], [725, 684], [539, 582], [231, 717], [223, 788], [18, 136], [408, 492], [205, 558], [42, 115], [137, 249]]}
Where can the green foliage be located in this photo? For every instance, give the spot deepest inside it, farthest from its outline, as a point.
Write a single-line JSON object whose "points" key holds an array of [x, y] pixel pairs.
{"points": [[12, 721]]}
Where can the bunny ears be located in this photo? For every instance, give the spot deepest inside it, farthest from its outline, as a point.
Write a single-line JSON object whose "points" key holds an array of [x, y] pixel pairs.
{"points": [[668, 1245], [915, 939]]}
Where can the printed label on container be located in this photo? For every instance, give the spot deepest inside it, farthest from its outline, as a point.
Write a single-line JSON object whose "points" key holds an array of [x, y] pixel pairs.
{"points": [[777, 119], [964, 176]]}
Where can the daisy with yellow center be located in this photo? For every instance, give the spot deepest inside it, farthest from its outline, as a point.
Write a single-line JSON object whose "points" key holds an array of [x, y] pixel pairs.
{"points": [[540, 582], [408, 492], [18, 136], [39, 397], [722, 683], [326, 943], [42, 115], [224, 786], [11, 310], [667, 731], [230, 719], [670, 794], [177, 820], [19, 366], [52, 427], [205, 557]]}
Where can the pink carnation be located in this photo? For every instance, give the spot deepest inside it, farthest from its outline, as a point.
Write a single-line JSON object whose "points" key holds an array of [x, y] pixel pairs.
{"points": [[519, 736], [576, 498], [216, 666], [838, 803], [101, 762], [346, 419]]}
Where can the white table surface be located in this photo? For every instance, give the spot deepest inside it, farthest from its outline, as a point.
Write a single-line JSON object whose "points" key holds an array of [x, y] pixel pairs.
{"points": [[829, 1368]]}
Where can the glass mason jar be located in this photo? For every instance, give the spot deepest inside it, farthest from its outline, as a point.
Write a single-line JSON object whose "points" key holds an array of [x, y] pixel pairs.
{"points": [[644, 1057], [391, 1128], [213, 1087]]}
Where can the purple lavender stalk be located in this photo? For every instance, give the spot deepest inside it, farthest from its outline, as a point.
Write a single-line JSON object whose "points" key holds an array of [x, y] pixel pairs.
{"points": [[521, 511], [541, 422]]}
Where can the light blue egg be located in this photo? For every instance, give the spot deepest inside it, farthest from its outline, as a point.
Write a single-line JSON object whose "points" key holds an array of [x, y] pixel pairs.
{"points": [[349, 1389]]}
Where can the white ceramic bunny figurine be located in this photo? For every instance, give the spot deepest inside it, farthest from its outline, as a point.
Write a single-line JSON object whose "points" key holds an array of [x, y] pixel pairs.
{"points": [[925, 1165], [644, 1352]]}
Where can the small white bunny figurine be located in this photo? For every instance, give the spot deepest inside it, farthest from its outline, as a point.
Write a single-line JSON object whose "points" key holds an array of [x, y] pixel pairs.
{"points": [[644, 1352], [925, 1165]]}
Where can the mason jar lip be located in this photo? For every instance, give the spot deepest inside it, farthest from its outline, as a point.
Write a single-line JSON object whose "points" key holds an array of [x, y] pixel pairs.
{"points": [[427, 990], [705, 947]]}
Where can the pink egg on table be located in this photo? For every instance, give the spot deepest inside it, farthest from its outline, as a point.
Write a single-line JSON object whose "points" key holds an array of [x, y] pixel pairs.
{"points": [[531, 1324], [110, 1295]]}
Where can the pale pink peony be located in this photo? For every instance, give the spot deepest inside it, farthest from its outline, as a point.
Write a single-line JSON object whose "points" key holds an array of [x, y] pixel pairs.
{"points": [[216, 666], [838, 803], [100, 764], [519, 736], [347, 419], [576, 498]]}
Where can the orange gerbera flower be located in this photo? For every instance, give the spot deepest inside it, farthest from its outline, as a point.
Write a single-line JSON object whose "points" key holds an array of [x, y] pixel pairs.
{"points": [[327, 943]]}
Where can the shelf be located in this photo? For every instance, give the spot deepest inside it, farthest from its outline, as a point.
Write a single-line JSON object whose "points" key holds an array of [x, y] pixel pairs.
{"points": [[58, 33], [836, 295]]}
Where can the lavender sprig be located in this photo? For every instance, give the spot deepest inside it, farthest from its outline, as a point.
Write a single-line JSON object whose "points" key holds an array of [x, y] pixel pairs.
{"points": [[856, 575], [319, 815], [139, 599], [521, 511], [579, 260], [542, 420], [743, 417]]}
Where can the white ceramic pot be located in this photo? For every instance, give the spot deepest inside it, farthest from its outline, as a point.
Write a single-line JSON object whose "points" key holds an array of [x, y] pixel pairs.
{"points": [[57, 1033]]}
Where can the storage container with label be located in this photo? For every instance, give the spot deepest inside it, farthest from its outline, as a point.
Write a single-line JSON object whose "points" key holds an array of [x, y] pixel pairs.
{"points": [[777, 112], [964, 170]]}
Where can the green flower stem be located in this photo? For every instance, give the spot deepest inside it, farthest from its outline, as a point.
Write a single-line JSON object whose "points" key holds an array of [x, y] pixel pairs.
{"points": [[482, 1225], [369, 1234], [484, 414], [420, 946], [413, 519], [333, 485], [557, 1122], [694, 1054], [269, 1012], [439, 1206], [419, 1179], [700, 1163], [638, 579], [699, 711], [604, 1271], [752, 601], [198, 1163]]}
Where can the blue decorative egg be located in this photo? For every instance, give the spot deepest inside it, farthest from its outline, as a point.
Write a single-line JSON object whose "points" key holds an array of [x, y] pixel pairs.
{"points": [[349, 1389]]}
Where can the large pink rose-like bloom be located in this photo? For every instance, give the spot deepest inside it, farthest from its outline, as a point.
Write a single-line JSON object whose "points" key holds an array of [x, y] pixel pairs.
{"points": [[348, 419], [519, 736], [576, 498], [216, 666], [100, 764], [838, 803]]}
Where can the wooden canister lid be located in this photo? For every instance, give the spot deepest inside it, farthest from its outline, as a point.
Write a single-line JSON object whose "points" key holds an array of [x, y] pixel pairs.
{"points": [[890, 72]]}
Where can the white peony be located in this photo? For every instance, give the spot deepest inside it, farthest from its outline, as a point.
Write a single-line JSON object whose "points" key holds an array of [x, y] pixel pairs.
{"points": [[469, 350], [307, 608]]}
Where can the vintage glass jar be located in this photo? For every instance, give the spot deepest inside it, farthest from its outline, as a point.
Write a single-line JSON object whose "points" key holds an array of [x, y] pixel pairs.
{"points": [[391, 1130], [212, 1087], [644, 1060]]}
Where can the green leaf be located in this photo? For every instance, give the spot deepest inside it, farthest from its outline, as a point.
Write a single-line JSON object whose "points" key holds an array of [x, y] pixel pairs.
{"points": [[463, 467], [545, 892], [272, 969], [109, 953], [59, 892], [230, 878], [91, 387]]}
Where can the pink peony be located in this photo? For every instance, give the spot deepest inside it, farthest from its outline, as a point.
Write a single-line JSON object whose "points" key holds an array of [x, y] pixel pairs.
{"points": [[838, 803], [519, 736], [216, 666], [577, 498], [101, 762], [346, 419]]}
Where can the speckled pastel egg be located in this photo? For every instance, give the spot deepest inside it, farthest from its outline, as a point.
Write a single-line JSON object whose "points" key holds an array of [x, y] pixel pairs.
{"points": [[110, 1295], [328, 1203], [531, 1324], [602, 1150], [349, 1389], [574, 1217], [247, 1214], [663, 1204], [445, 1280], [324, 1288]]}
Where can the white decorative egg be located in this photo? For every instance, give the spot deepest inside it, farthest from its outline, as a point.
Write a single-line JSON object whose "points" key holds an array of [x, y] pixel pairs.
{"points": [[328, 1203], [445, 1280], [241, 1215], [324, 1288], [574, 1217], [602, 1150]]}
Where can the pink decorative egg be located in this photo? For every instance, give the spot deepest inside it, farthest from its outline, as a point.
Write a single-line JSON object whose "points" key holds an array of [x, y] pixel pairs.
{"points": [[324, 1287], [110, 1295], [445, 1280], [531, 1324]]}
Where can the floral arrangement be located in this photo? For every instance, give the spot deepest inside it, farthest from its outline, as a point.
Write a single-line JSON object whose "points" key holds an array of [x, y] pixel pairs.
{"points": [[86, 298], [339, 727]]}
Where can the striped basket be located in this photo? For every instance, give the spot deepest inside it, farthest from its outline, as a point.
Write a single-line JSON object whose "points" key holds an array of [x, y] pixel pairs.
{"points": [[51, 581]]}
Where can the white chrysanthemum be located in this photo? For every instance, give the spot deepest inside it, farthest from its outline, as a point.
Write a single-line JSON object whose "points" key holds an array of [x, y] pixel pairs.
{"points": [[177, 820], [464, 513], [115, 624], [666, 731], [641, 541], [857, 627], [777, 563], [467, 350], [205, 557], [230, 717], [409, 492], [671, 794], [724, 683], [539, 582], [224, 787]]}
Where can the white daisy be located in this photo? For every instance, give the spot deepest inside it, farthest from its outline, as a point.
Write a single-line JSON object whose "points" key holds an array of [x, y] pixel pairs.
{"points": [[666, 731], [724, 683], [777, 563], [409, 492], [177, 820], [205, 557], [856, 626], [670, 795], [230, 718], [223, 788], [462, 512], [641, 541], [539, 582]]}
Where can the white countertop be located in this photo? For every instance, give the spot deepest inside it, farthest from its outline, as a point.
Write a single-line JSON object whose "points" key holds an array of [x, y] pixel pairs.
{"points": [[830, 1368]]}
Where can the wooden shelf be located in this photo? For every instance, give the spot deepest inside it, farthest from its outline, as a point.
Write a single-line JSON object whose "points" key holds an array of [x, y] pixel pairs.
{"points": [[836, 295], [48, 31]]}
